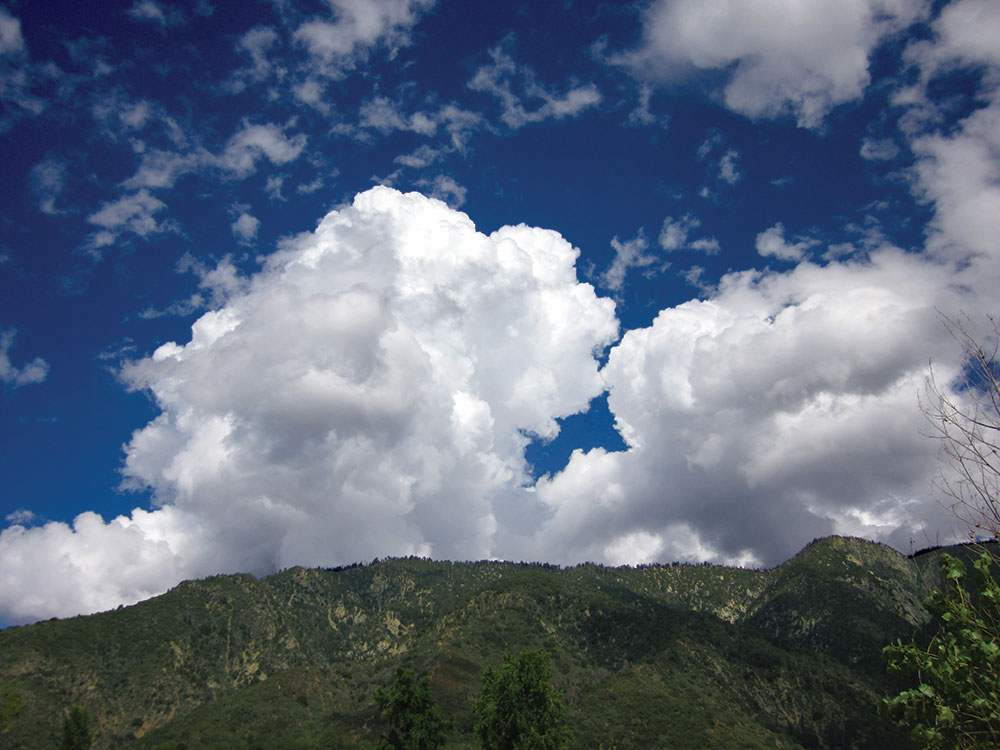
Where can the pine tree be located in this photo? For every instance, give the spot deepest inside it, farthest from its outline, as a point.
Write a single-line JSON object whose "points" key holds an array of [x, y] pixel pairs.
{"points": [[519, 708], [415, 721], [76, 730]]}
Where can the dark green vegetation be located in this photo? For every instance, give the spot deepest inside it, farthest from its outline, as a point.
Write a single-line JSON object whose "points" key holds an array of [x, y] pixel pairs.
{"points": [[76, 730], [414, 719], [956, 705], [654, 657], [518, 708]]}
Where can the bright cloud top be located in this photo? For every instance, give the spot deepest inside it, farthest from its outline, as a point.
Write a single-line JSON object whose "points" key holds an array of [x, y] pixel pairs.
{"points": [[782, 408], [370, 390]]}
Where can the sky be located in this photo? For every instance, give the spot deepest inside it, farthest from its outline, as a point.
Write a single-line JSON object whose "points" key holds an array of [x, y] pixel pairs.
{"points": [[309, 283]]}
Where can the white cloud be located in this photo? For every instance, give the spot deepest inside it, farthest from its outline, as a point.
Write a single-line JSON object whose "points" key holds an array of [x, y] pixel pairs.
{"points": [[62, 570], [47, 180], [382, 114], [252, 142], [162, 169], [444, 188], [729, 172], [11, 40], [386, 116], [257, 44], [785, 56], [21, 516], [18, 77], [307, 188], [133, 213], [957, 168], [367, 393], [674, 236], [422, 157], [245, 228], [149, 10], [359, 26], [33, 372], [641, 115], [503, 76], [273, 187], [311, 92], [629, 254], [780, 408], [771, 243], [216, 284], [878, 150]]}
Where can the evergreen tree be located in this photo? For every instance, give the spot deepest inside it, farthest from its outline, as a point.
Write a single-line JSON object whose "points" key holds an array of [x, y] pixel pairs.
{"points": [[518, 708], [414, 718], [76, 730]]}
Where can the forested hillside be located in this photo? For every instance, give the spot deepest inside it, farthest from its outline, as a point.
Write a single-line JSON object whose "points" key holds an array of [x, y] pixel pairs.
{"points": [[657, 656]]}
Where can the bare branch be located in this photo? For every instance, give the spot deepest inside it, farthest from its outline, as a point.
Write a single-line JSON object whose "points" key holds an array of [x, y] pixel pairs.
{"points": [[965, 417]]}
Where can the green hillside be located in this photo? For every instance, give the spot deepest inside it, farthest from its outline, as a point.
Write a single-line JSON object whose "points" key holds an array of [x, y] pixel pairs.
{"points": [[677, 656]]}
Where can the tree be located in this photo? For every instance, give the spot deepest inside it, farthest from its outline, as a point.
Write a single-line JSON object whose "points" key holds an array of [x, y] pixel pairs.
{"points": [[76, 730], [518, 708], [415, 721], [956, 703]]}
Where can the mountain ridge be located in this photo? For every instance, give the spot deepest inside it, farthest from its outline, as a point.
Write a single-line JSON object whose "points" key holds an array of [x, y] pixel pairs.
{"points": [[772, 655]]}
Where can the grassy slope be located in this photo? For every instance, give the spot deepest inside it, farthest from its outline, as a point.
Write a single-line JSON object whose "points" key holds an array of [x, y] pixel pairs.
{"points": [[664, 656]]}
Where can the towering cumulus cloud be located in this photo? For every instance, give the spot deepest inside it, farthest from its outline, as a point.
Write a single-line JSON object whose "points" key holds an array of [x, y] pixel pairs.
{"points": [[369, 392], [782, 408]]}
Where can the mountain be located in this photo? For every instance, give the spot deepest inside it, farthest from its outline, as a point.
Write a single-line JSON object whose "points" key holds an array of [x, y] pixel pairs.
{"points": [[656, 656]]}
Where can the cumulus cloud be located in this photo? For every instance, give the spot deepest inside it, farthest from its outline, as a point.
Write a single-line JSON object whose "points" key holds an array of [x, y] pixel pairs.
{"points": [[61, 570], [33, 372], [772, 243], [958, 171], [774, 411], [503, 78], [371, 391], [781, 57]]}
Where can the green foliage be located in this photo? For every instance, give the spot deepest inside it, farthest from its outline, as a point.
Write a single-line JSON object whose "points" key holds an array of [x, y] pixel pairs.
{"points": [[11, 704], [655, 656], [957, 701], [415, 721], [76, 730], [518, 708]]}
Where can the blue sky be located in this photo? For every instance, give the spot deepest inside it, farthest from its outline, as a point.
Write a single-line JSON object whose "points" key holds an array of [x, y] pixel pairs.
{"points": [[308, 283]]}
